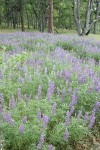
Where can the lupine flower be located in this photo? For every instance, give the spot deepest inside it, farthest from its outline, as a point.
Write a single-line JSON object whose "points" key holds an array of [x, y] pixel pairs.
{"points": [[24, 119], [92, 121], [21, 128], [71, 110], [67, 118], [86, 117], [79, 115], [42, 139], [39, 114], [45, 120], [50, 90], [39, 91], [39, 146], [66, 135], [7, 118], [96, 107], [50, 147], [54, 108], [67, 76], [19, 94], [74, 100], [12, 102]]}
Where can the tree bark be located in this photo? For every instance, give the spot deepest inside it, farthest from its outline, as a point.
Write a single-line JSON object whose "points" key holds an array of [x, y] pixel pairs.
{"points": [[88, 16], [97, 15], [22, 15], [50, 17], [76, 11]]}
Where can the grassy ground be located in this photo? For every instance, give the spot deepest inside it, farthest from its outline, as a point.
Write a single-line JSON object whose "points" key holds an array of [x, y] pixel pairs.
{"points": [[60, 31]]}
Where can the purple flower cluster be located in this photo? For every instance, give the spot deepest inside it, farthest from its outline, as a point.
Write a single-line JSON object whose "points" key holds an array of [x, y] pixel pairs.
{"points": [[39, 146], [8, 119], [50, 90], [66, 135], [21, 128], [73, 99], [50, 147], [45, 120], [39, 91], [12, 102]]}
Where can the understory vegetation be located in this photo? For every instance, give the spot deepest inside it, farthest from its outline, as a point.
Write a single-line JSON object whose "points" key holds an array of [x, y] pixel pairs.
{"points": [[49, 92]]}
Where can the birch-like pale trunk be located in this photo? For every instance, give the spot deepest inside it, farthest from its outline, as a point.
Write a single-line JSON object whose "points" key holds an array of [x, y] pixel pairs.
{"points": [[76, 11], [88, 16], [97, 16]]}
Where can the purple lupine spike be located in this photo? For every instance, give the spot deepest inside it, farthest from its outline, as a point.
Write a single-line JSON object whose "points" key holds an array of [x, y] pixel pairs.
{"points": [[39, 146], [92, 121], [7, 117], [74, 100], [39, 91], [50, 90], [21, 128], [86, 117], [66, 135], [79, 115], [45, 120], [19, 94], [42, 139], [96, 107], [24, 119], [50, 147], [39, 115], [63, 95], [67, 75], [92, 115], [72, 110], [12, 102], [54, 108], [67, 118]]}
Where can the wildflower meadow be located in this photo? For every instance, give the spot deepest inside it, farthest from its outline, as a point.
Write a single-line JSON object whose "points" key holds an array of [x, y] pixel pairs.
{"points": [[49, 92]]}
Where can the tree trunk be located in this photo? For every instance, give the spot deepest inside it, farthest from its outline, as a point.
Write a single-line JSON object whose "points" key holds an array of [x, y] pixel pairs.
{"points": [[88, 16], [50, 17], [76, 11], [22, 15], [85, 30], [96, 17]]}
